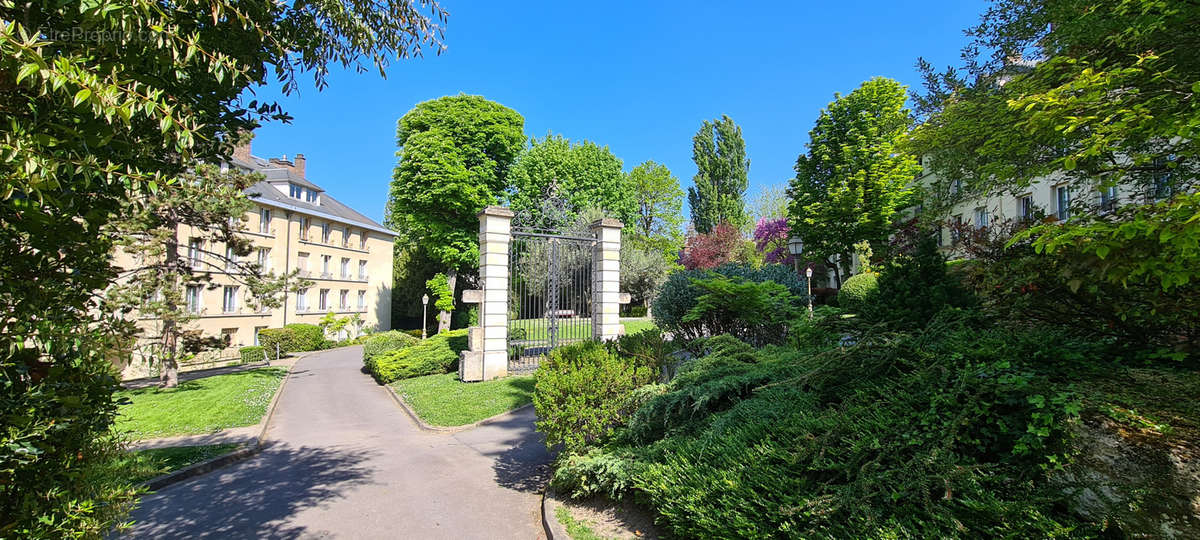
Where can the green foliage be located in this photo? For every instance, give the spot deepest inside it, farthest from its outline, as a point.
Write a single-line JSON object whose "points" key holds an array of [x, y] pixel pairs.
{"points": [[292, 338], [438, 354], [443, 297], [956, 424], [455, 154], [679, 294], [583, 391], [643, 272], [585, 174], [758, 312], [1110, 100], [200, 405], [648, 347], [855, 176], [721, 176], [912, 289], [597, 472], [658, 211], [391, 340], [251, 354], [856, 290]]}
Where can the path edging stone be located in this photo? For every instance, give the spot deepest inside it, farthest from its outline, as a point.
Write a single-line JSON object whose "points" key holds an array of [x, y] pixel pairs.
{"points": [[424, 426], [554, 529], [197, 469]]}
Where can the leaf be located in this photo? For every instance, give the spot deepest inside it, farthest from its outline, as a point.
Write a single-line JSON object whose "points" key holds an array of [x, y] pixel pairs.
{"points": [[82, 95], [1074, 284], [1102, 251]]}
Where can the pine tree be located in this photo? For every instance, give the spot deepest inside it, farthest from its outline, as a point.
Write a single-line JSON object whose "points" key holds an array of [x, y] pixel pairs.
{"points": [[721, 176]]}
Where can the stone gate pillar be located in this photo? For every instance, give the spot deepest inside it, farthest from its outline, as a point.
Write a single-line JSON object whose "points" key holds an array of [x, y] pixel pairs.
{"points": [[487, 357], [606, 280]]}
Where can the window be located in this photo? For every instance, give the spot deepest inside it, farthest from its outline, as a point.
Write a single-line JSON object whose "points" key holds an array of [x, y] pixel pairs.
{"points": [[1025, 207], [325, 265], [193, 298], [362, 299], [981, 217], [344, 300], [956, 229], [264, 259], [345, 236], [196, 252], [325, 233], [1062, 198], [258, 329], [323, 300], [310, 196], [295, 191], [231, 259], [362, 270], [302, 263], [228, 335], [305, 223], [1164, 186], [229, 299], [345, 268], [264, 222], [956, 187], [362, 240], [302, 300], [1108, 198]]}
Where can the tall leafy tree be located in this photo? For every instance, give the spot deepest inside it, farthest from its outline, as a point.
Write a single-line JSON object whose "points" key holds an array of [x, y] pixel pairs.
{"points": [[586, 174], [1111, 99], [455, 154], [855, 176], [103, 102], [658, 215], [209, 204], [722, 170]]}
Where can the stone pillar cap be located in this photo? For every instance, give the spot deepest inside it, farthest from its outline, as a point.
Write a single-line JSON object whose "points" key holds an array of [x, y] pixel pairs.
{"points": [[607, 223], [498, 211]]}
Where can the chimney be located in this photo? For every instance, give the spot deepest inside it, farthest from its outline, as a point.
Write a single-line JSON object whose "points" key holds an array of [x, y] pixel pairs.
{"points": [[242, 151], [299, 166]]}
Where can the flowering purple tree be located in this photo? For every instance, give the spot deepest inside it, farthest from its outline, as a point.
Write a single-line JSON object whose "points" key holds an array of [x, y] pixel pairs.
{"points": [[771, 239]]}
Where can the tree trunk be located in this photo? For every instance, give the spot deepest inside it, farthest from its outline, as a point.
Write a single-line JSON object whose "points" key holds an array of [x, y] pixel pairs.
{"points": [[444, 316], [169, 378]]}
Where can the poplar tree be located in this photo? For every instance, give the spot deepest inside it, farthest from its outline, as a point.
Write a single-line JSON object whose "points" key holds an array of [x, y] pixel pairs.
{"points": [[721, 179]]}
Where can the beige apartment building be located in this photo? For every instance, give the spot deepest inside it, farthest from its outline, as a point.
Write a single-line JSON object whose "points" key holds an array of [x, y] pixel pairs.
{"points": [[295, 225]]}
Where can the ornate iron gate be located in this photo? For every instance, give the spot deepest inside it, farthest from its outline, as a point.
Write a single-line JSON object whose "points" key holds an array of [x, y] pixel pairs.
{"points": [[549, 295]]}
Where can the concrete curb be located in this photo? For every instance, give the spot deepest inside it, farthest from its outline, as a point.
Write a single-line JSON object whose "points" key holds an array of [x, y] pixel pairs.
{"points": [[197, 469], [445, 429], [554, 529]]}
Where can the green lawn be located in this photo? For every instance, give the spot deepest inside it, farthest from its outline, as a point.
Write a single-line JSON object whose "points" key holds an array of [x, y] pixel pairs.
{"points": [[146, 464], [570, 329], [199, 406], [442, 400]]}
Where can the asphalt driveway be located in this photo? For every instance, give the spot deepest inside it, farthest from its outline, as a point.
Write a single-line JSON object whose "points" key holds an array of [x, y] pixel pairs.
{"points": [[344, 461]]}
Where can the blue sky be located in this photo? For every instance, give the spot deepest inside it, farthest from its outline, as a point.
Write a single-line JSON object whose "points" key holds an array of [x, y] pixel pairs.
{"points": [[638, 77]]}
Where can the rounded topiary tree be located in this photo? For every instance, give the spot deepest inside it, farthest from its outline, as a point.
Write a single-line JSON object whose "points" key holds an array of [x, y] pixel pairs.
{"points": [[857, 288]]}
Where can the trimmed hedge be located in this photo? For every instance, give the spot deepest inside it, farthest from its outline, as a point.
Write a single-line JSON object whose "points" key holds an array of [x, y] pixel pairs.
{"points": [[857, 288], [387, 341], [253, 353], [438, 354], [293, 338]]}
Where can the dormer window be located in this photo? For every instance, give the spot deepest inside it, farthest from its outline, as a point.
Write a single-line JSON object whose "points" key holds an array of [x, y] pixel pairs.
{"points": [[301, 193], [310, 195], [295, 192]]}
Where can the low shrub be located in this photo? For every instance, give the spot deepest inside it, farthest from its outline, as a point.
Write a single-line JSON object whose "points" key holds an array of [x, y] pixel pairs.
{"points": [[636, 311], [647, 348], [251, 354], [438, 354], [680, 293], [293, 338], [912, 289], [597, 472], [856, 290], [416, 332], [583, 392], [387, 341], [759, 313]]}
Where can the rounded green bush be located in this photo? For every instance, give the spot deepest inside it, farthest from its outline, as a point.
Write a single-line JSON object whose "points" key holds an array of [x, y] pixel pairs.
{"points": [[438, 354], [382, 342], [251, 354], [856, 289]]}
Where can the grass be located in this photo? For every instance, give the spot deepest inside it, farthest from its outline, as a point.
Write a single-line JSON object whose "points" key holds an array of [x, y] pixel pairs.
{"points": [[577, 530], [146, 464], [535, 329], [199, 406], [442, 400]]}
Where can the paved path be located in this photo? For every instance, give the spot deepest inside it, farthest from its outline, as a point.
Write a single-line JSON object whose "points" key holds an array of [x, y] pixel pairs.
{"points": [[344, 461]]}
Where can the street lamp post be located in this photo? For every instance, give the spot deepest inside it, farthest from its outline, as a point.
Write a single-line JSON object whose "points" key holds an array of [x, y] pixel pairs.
{"points": [[808, 281], [424, 313], [796, 248]]}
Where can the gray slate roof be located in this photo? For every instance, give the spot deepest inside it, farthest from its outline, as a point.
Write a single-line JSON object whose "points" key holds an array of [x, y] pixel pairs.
{"points": [[265, 192]]}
